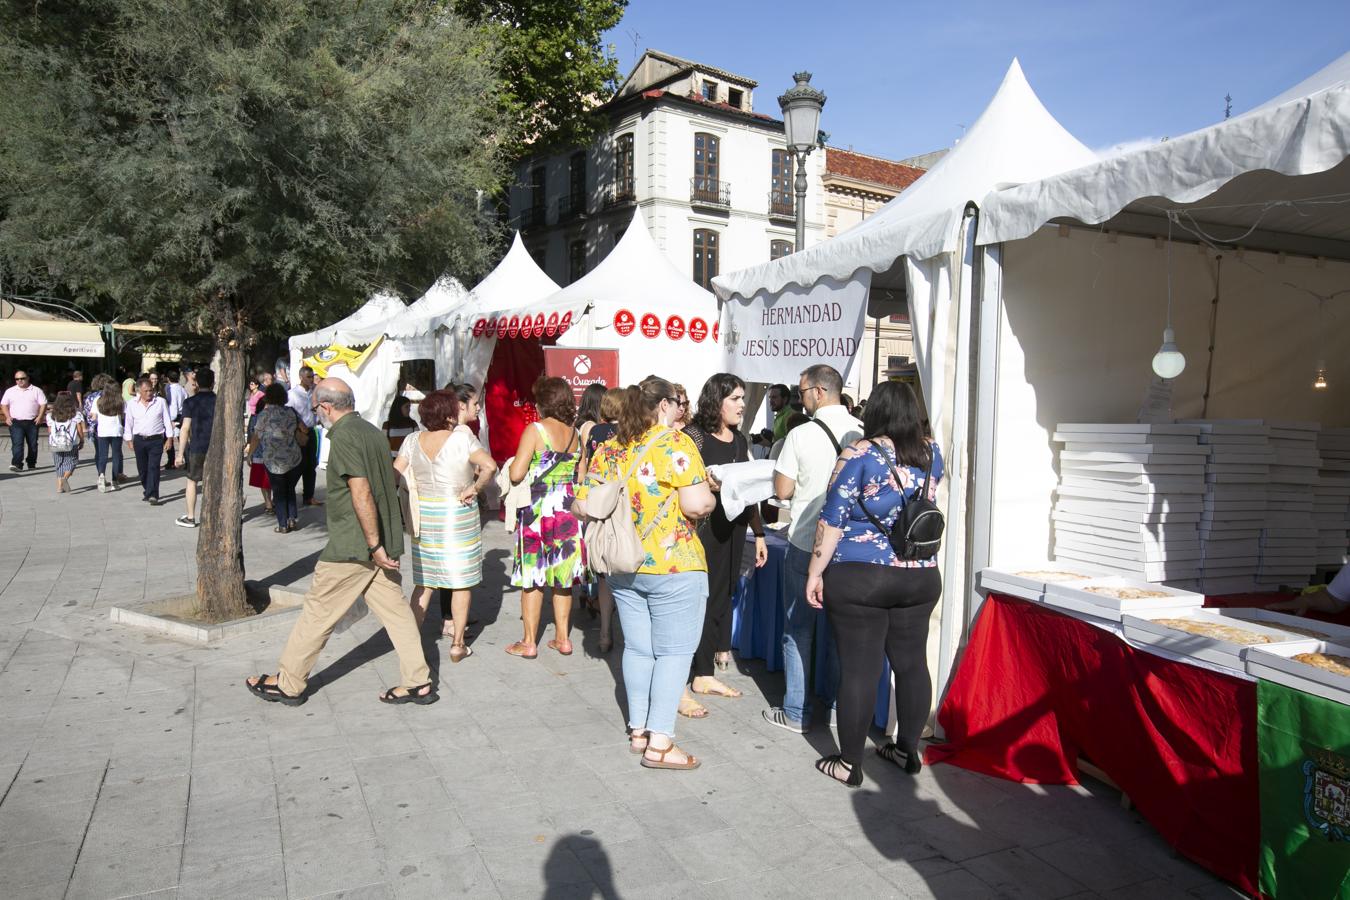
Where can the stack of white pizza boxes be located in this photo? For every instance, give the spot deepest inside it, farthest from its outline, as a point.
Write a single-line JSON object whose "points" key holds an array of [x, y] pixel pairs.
{"points": [[1331, 500], [1130, 498], [1237, 477], [1289, 539]]}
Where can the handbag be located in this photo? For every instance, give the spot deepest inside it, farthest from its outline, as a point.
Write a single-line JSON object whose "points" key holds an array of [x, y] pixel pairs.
{"points": [[613, 545]]}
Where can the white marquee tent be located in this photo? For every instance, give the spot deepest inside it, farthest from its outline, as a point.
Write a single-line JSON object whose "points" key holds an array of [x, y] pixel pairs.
{"points": [[636, 279], [1068, 316], [918, 248]]}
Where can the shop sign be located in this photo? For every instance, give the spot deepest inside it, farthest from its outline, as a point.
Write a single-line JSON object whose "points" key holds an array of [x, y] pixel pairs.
{"points": [[674, 328], [582, 367], [717, 327], [651, 325], [513, 329], [624, 323], [527, 328], [501, 326], [698, 330], [538, 325], [551, 329], [479, 326], [566, 323]]}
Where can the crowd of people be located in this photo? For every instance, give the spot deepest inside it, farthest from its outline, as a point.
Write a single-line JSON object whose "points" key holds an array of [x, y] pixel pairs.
{"points": [[846, 481]]}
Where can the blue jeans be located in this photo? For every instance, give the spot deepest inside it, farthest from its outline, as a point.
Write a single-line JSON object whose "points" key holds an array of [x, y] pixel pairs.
{"points": [[106, 449], [799, 637], [662, 618], [23, 432]]}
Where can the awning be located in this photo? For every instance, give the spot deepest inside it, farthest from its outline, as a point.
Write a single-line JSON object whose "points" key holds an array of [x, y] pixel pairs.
{"points": [[40, 337]]}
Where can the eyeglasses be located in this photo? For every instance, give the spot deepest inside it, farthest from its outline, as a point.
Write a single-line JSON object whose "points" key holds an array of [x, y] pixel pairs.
{"points": [[683, 404]]}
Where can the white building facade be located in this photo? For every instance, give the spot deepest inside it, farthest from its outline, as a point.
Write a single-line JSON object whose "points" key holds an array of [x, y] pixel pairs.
{"points": [[713, 178]]}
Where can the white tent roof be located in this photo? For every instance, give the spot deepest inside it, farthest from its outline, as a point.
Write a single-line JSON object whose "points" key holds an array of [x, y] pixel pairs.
{"points": [[425, 314], [355, 328], [516, 281], [1241, 165], [1015, 140]]}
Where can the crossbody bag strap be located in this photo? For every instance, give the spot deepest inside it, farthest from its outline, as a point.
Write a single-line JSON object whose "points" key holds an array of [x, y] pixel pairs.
{"points": [[863, 506], [830, 434]]}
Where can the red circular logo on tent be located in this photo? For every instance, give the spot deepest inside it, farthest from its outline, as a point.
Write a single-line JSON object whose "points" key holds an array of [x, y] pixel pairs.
{"points": [[501, 327], [479, 326], [566, 322], [716, 328], [513, 327], [551, 329], [674, 328], [527, 328], [624, 323], [651, 325], [698, 330], [539, 325]]}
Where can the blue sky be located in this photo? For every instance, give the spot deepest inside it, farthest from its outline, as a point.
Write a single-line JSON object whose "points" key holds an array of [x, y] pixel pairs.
{"points": [[902, 78]]}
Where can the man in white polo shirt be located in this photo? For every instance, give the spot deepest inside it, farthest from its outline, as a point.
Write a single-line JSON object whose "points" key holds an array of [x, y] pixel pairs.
{"points": [[25, 406], [802, 475]]}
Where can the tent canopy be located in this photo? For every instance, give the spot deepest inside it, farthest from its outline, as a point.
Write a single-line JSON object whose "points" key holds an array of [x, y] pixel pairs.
{"points": [[516, 281], [354, 329], [1015, 140], [1241, 168]]}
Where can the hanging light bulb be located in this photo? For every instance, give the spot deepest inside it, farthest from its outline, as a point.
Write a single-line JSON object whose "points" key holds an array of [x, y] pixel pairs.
{"points": [[1168, 362], [1320, 379]]}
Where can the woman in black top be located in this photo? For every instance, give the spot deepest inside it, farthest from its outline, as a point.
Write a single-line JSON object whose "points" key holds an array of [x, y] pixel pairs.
{"points": [[721, 410]]}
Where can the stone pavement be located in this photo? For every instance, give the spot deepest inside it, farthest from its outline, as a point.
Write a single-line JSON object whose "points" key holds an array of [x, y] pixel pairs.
{"points": [[132, 765]]}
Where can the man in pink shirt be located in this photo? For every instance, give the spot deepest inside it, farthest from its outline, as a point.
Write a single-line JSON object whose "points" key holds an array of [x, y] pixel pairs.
{"points": [[25, 405]]}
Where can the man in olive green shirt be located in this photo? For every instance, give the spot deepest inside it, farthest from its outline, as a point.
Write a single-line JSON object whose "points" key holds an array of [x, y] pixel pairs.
{"points": [[365, 540]]}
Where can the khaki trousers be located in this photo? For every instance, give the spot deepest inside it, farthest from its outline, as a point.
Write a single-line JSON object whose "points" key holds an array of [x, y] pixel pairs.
{"points": [[336, 586]]}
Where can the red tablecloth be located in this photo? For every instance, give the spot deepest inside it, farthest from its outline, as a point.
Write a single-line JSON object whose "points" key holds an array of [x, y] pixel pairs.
{"points": [[1036, 688]]}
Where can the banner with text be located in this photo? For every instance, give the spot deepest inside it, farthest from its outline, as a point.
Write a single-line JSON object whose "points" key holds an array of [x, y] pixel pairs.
{"points": [[771, 338], [582, 366]]}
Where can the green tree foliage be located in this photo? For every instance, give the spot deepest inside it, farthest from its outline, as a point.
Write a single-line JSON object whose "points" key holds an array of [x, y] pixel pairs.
{"points": [[555, 70], [242, 166]]}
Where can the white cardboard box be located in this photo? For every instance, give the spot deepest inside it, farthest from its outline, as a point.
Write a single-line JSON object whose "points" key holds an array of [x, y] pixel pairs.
{"points": [[1273, 663], [1174, 600], [1143, 629]]}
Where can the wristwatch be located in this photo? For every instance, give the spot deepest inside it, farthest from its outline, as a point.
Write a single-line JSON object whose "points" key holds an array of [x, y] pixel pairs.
{"points": [[371, 550]]}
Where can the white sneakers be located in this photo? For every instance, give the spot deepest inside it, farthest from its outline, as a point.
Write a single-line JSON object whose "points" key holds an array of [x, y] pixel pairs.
{"points": [[102, 485]]}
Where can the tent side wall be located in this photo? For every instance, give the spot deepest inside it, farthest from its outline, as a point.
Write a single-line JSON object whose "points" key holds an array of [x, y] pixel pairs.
{"points": [[1083, 316]]}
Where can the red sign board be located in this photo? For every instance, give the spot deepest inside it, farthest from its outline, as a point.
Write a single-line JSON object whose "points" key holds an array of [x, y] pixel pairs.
{"points": [[551, 329], [582, 367], [501, 327], [651, 325], [566, 323], [624, 323], [538, 329], [479, 327], [513, 329], [527, 328], [716, 328], [698, 330], [674, 328]]}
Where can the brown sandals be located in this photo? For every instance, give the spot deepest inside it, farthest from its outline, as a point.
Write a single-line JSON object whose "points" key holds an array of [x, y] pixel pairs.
{"points": [[691, 761]]}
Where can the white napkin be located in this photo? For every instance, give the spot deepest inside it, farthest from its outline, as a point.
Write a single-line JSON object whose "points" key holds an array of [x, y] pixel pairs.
{"points": [[743, 484]]}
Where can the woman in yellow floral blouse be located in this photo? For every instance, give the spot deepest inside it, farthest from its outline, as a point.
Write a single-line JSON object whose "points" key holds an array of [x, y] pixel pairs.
{"points": [[661, 605]]}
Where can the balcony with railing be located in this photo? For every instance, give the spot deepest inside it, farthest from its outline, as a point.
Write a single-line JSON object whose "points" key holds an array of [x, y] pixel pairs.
{"points": [[533, 217], [621, 191], [571, 207], [781, 205], [709, 192]]}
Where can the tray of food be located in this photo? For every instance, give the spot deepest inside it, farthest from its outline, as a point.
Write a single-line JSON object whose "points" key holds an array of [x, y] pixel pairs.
{"points": [[1298, 626], [1119, 594], [1316, 667], [1207, 634], [1029, 581]]}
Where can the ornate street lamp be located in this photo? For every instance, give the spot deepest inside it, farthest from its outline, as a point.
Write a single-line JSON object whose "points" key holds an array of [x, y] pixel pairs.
{"points": [[801, 105]]}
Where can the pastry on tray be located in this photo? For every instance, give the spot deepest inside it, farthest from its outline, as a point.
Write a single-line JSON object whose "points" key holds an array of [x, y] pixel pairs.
{"points": [[1053, 576], [1127, 593], [1215, 631], [1331, 662], [1306, 632]]}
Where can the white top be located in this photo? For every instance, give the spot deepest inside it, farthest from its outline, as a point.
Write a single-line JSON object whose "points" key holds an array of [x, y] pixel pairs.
{"points": [[147, 421], [298, 399], [449, 473], [808, 458], [108, 426], [174, 395]]}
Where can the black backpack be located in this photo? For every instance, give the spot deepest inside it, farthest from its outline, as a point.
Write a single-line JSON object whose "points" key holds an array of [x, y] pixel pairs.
{"points": [[917, 532]]}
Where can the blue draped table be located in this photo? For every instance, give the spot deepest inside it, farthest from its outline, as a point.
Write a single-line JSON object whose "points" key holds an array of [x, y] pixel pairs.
{"points": [[757, 621]]}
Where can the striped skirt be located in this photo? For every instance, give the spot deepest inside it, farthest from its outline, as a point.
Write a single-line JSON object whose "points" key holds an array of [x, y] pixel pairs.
{"points": [[448, 551]]}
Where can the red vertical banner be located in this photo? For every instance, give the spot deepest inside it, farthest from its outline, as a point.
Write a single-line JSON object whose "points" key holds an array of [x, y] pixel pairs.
{"points": [[582, 366]]}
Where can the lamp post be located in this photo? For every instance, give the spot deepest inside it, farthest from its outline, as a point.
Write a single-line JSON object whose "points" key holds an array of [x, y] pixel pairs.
{"points": [[801, 105]]}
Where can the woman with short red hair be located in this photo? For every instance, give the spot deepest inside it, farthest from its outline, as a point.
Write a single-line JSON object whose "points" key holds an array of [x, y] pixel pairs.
{"points": [[438, 466]]}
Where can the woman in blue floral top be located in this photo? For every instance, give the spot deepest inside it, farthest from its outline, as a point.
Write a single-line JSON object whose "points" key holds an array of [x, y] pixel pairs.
{"points": [[876, 602]]}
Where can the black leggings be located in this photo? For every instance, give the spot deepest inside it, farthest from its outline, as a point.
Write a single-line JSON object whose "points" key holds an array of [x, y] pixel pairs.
{"points": [[724, 556], [874, 609]]}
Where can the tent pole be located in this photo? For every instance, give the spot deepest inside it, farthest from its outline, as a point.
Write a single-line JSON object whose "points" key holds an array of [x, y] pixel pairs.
{"points": [[876, 352]]}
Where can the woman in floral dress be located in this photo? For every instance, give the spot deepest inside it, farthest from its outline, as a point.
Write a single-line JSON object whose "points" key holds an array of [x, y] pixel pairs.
{"points": [[549, 553]]}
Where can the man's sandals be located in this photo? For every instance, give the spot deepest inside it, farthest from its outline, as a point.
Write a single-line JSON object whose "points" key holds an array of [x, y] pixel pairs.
{"points": [[422, 695], [272, 693]]}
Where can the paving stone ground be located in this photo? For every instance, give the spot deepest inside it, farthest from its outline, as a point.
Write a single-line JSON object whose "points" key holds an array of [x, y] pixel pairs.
{"points": [[135, 765]]}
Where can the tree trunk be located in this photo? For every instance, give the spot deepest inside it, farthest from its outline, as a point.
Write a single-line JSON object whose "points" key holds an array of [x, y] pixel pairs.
{"points": [[220, 540]]}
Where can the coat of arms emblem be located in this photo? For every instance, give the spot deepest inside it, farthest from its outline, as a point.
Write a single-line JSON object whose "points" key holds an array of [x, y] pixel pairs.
{"points": [[1326, 794]]}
